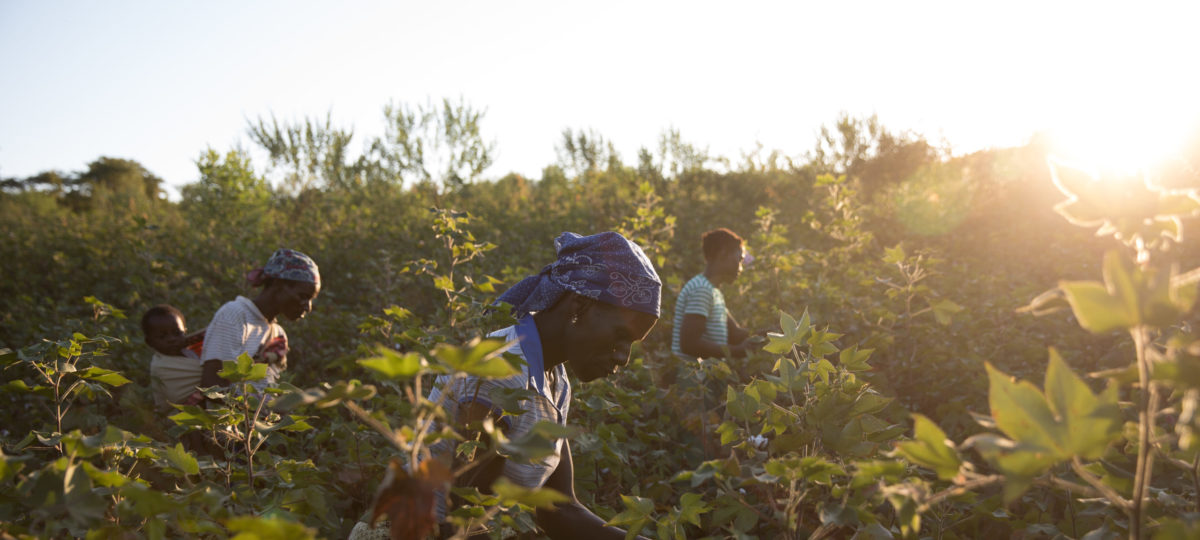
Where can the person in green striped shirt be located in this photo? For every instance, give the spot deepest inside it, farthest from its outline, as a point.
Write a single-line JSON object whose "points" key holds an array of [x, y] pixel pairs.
{"points": [[703, 327]]}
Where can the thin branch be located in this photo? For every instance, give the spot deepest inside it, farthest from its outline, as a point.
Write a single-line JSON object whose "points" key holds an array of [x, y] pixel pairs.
{"points": [[1108, 492], [960, 489], [375, 424]]}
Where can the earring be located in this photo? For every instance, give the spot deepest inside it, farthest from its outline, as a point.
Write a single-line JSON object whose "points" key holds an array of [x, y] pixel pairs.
{"points": [[575, 319]]}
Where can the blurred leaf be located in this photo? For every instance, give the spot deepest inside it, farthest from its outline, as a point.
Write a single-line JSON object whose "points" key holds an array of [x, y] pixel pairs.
{"points": [[408, 501], [106, 376], [268, 528], [181, 461], [481, 358], [944, 311], [392, 365], [510, 494]]}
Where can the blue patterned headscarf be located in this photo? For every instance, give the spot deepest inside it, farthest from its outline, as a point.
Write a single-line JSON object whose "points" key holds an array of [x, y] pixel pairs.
{"points": [[605, 267], [286, 264]]}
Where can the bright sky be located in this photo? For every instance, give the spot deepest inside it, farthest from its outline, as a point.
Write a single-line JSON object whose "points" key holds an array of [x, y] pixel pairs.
{"points": [[159, 82]]}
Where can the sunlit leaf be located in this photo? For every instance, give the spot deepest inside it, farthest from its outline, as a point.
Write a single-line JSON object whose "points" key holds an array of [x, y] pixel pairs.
{"points": [[393, 365], [930, 448], [510, 494], [106, 376]]}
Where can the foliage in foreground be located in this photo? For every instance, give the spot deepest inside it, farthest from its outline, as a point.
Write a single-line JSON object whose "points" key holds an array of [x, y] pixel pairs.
{"points": [[806, 439]]}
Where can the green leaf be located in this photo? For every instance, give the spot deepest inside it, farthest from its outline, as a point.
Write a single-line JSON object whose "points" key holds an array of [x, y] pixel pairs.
{"points": [[869, 472], [481, 358], [854, 359], [191, 415], [944, 311], [105, 478], [268, 528], [445, 283], [869, 403], [147, 502], [691, 506], [510, 494], [638, 512], [182, 463], [1091, 424], [894, 255], [392, 365], [794, 333], [106, 376], [1022, 413], [1096, 310], [536, 443], [930, 448], [243, 369], [9, 467]]}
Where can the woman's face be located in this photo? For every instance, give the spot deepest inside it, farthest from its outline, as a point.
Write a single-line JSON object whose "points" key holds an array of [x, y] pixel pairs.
{"points": [[164, 333], [297, 299], [598, 343]]}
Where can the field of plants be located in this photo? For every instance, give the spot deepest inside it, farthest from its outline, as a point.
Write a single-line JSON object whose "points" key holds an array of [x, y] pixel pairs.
{"points": [[978, 346]]}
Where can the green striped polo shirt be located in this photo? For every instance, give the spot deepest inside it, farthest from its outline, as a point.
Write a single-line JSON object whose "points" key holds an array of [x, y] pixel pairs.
{"points": [[700, 297]]}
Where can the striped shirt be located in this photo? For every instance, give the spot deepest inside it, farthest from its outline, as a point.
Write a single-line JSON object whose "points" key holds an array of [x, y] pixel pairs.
{"points": [[552, 403], [700, 297], [239, 327]]}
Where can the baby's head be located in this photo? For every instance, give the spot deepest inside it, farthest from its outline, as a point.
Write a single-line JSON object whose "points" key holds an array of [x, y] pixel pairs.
{"points": [[163, 328]]}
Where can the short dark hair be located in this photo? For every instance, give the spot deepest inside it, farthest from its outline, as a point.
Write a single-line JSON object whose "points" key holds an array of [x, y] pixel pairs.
{"points": [[161, 310], [718, 239]]}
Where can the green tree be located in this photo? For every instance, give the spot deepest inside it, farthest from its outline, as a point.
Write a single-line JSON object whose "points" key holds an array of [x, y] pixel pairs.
{"points": [[432, 144], [581, 152], [224, 181], [313, 153]]}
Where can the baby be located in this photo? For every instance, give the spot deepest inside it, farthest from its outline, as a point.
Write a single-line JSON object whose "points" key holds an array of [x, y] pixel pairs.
{"points": [[176, 368]]}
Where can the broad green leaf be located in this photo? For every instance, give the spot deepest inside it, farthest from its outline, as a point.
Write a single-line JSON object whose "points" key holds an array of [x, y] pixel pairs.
{"points": [[894, 255], [106, 376], [691, 506], [243, 369], [268, 528], [869, 472], [854, 359], [191, 415], [638, 512], [181, 461], [944, 311], [481, 358], [393, 365], [536, 443], [147, 502], [510, 494], [1019, 463], [444, 283], [1090, 424], [1022, 413], [930, 448], [1096, 310], [869, 403], [105, 478], [9, 466]]}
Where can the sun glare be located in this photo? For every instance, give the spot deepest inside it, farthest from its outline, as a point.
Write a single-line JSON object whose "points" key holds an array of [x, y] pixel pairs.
{"points": [[1117, 148]]}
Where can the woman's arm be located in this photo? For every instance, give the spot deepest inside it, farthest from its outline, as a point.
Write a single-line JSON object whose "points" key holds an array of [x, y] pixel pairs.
{"points": [[570, 519], [692, 342]]}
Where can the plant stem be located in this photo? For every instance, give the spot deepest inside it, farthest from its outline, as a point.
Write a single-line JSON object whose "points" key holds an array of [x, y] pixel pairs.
{"points": [[1145, 425], [1108, 492]]}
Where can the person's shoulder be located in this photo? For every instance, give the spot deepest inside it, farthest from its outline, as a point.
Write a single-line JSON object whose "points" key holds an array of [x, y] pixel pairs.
{"points": [[698, 282]]}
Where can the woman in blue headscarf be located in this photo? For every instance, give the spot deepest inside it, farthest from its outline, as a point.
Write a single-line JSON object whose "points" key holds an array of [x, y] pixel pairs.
{"points": [[582, 312]]}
